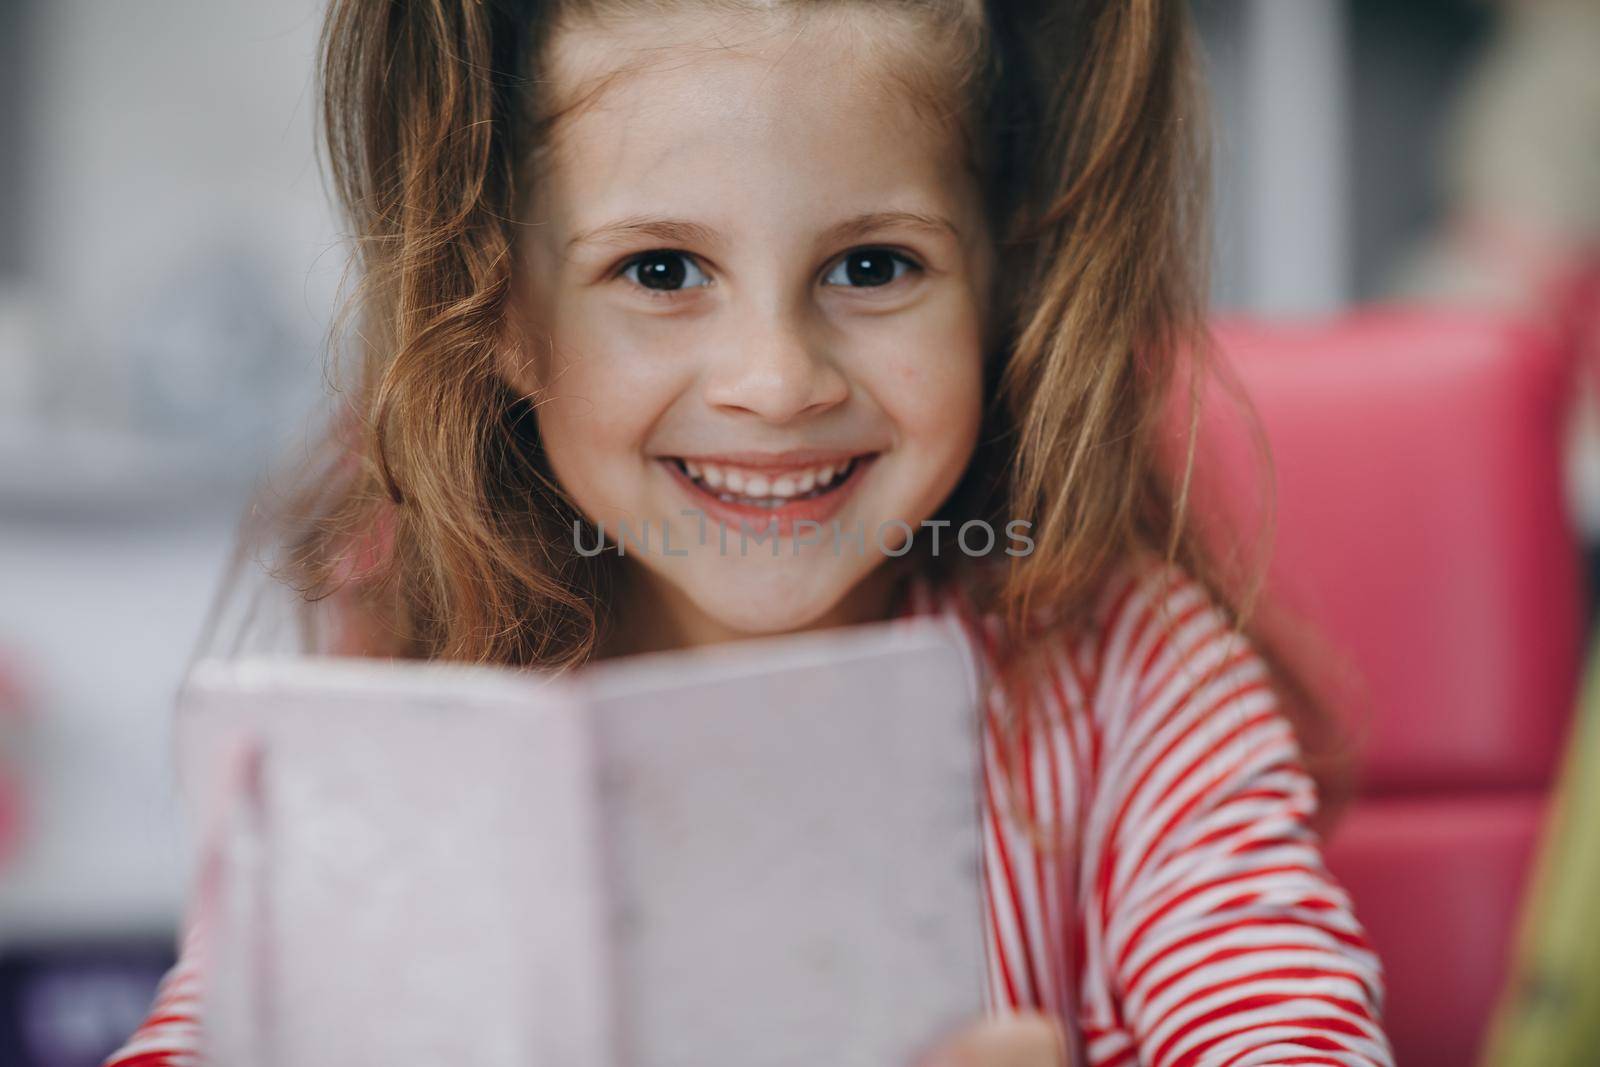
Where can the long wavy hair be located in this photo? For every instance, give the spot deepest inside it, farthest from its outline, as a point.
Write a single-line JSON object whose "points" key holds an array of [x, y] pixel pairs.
{"points": [[426, 507]]}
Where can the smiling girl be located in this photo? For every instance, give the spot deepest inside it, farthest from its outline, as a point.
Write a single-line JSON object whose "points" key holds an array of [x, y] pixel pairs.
{"points": [[898, 286]]}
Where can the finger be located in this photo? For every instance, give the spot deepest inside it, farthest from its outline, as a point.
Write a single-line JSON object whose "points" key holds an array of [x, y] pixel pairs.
{"points": [[1028, 1040]]}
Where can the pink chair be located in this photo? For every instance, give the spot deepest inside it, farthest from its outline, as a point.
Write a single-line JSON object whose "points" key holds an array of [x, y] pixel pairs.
{"points": [[1422, 534]]}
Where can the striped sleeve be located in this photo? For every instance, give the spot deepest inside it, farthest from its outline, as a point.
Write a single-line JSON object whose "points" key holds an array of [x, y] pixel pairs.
{"points": [[1226, 940], [170, 1034]]}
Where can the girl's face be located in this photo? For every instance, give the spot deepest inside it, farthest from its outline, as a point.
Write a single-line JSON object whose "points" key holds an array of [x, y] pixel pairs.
{"points": [[757, 272]]}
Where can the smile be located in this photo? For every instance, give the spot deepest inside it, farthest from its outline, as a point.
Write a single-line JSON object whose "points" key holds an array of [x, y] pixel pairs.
{"points": [[768, 488], [771, 494]]}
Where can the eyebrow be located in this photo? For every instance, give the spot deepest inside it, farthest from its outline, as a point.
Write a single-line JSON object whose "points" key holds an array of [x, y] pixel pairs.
{"points": [[865, 225], [644, 227], [670, 231]]}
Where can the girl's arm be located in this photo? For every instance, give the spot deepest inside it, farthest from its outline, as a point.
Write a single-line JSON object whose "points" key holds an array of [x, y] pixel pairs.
{"points": [[1229, 942], [170, 1034]]}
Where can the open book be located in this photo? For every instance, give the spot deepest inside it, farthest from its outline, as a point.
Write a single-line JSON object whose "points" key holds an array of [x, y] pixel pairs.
{"points": [[763, 855]]}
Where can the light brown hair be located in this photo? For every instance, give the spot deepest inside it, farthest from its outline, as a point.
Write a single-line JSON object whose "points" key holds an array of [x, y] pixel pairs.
{"points": [[1086, 118]]}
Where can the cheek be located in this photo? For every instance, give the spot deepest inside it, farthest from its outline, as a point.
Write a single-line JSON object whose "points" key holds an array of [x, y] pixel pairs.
{"points": [[599, 375], [930, 382], [607, 369], [606, 388]]}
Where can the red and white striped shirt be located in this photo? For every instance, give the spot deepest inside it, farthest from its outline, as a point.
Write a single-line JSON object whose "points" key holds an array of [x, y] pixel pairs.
{"points": [[1191, 923]]}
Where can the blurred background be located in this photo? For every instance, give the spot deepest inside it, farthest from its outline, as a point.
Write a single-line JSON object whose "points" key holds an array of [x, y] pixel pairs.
{"points": [[168, 265]]}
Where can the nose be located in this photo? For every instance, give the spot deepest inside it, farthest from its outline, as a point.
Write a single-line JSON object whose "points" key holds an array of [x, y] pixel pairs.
{"points": [[775, 366]]}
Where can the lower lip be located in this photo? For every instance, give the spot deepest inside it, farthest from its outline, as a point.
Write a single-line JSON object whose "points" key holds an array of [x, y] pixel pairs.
{"points": [[758, 520]]}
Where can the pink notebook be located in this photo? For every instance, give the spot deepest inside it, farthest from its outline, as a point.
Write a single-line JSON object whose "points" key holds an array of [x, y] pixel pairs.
{"points": [[763, 855]]}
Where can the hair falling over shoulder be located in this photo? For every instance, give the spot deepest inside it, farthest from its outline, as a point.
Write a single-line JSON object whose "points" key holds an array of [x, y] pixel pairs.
{"points": [[428, 506]]}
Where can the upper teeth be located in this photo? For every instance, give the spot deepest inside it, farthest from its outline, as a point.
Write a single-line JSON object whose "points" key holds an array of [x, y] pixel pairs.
{"points": [[757, 484]]}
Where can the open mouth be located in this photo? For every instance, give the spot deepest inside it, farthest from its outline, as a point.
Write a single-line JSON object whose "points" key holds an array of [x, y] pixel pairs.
{"points": [[744, 487]]}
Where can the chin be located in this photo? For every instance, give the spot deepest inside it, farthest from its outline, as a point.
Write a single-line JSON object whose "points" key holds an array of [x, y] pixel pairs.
{"points": [[765, 605], [761, 624]]}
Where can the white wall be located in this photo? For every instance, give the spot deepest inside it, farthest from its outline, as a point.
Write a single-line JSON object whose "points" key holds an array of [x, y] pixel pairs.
{"points": [[1282, 211], [160, 132], [163, 129]]}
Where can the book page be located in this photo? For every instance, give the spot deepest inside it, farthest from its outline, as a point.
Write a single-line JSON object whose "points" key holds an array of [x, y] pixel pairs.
{"points": [[792, 848], [420, 883], [766, 854]]}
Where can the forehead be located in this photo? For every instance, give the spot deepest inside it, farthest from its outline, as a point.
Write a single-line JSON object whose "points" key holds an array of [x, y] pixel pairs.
{"points": [[715, 113]]}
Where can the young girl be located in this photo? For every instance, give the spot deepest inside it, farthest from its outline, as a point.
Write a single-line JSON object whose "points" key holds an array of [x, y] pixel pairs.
{"points": [[898, 286]]}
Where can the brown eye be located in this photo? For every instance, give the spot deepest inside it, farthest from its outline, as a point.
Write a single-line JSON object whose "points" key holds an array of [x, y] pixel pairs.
{"points": [[665, 271], [867, 268]]}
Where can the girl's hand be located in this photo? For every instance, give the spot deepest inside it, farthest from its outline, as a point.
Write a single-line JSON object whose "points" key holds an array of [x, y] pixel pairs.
{"points": [[1026, 1040]]}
